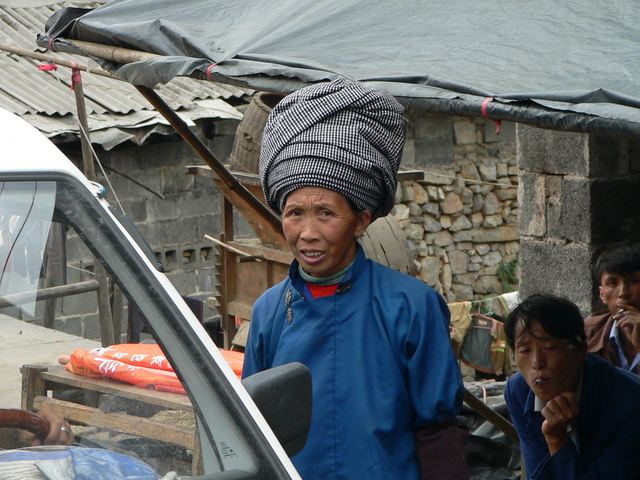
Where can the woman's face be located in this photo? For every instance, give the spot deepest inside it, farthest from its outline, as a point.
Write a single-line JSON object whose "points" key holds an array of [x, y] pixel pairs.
{"points": [[322, 229]]}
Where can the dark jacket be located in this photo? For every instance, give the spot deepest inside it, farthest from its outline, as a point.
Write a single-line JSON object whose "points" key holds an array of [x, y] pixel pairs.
{"points": [[608, 427], [598, 330]]}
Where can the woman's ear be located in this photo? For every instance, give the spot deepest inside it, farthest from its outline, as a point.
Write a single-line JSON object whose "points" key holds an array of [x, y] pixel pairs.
{"points": [[364, 220]]}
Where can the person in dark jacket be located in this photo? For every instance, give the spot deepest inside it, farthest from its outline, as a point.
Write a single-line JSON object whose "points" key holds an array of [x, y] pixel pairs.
{"points": [[615, 336], [576, 415]]}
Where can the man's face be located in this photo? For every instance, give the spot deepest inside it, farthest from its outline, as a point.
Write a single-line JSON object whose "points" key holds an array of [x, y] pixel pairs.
{"points": [[549, 365], [322, 230], [618, 290]]}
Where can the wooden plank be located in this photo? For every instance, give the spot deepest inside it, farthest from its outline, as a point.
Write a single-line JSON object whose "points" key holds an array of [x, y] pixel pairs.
{"points": [[32, 385], [50, 292], [57, 375], [120, 422], [239, 308]]}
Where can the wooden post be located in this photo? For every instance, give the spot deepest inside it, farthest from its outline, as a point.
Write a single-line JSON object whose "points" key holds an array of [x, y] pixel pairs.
{"points": [[104, 307]]}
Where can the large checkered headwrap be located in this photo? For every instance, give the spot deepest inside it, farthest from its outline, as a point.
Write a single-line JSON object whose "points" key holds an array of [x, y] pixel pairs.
{"points": [[341, 136]]}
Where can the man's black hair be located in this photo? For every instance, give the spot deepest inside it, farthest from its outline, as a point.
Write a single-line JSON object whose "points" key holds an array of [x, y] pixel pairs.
{"points": [[558, 317], [621, 260]]}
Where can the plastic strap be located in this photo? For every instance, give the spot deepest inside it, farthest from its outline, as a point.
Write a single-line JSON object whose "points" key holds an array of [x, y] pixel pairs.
{"points": [[484, 114], [209, 71]]}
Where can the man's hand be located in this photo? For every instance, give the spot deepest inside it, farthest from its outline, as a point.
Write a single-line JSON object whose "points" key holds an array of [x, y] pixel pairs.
{"points": [[628, 320], [559, 413], [60, 432]]}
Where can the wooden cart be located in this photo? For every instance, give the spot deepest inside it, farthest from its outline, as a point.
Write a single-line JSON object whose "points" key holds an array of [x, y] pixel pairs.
{"points": [[41, 383]]}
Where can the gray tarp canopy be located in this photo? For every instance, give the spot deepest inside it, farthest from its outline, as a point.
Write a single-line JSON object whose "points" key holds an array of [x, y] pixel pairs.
{"points": [[569, 65]]}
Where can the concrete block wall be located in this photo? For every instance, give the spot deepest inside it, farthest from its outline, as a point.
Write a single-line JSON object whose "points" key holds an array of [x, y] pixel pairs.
{"points": [[579, 194], [173, 213]]}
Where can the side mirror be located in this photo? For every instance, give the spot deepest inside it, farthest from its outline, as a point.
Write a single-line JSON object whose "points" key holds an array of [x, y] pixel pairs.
{"points": [[284, 396]]}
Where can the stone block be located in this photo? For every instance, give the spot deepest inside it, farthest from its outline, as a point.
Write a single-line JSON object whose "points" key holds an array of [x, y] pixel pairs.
{"points": [[574, 220], [462, 293], [459, 262], [434, 151], [432, 209], [507, 132], [442, 239], [414, 209], [408, 153], [492, 235], [469, 172], [414, 232], [407, 193], [429, 273], [492, 258], [452, 204], [476, 219], [446, 277], [491, 204], [461, 223], [560, 269], [487, 285], [431, 225], [400, 212], [488, 172], [420, 195], [179, 232], [493, 221], [465, 132], [552, 152], [532, 213], [608, 157]]}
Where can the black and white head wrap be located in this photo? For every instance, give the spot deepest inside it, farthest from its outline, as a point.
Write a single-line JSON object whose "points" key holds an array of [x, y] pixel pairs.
{"points": [[338, 135]]}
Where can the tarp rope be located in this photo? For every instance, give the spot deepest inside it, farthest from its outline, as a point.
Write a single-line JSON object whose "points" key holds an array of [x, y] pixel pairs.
{"points": [[485, 115]]}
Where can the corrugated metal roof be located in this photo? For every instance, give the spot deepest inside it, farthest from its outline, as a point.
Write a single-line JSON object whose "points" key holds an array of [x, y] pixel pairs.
{"points": [[30, 92]]}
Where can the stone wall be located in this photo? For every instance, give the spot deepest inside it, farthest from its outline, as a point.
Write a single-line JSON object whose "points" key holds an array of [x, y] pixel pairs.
{"points": [[461, 221]]}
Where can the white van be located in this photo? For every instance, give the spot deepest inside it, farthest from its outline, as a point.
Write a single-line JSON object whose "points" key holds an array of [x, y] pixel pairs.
{"points": [[40, 188]]}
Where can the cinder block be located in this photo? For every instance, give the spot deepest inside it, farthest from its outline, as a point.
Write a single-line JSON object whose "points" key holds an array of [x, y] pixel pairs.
{"points": [[560, 269], [532, 211], [547, 151]]}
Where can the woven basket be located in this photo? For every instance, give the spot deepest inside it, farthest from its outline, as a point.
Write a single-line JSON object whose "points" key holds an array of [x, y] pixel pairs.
{"points": [[246, 146]]}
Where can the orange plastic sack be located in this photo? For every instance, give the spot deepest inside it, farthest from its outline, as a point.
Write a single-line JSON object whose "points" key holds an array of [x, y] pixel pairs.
{"points": [[140, 364]]}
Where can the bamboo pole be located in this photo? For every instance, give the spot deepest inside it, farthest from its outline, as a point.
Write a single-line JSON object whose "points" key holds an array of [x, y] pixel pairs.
{"points": [[264, 222], [57, 60]]}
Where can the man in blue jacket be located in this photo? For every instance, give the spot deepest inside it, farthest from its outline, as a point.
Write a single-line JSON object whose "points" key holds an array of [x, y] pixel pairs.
{"points": [[577, 416]]}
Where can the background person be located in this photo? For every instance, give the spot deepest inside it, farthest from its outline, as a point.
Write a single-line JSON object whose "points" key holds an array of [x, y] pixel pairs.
{"points": [[615, 336], [386, 384], [576, 415]]}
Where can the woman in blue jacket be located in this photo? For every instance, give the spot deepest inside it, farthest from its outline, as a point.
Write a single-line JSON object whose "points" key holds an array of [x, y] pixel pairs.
{"points": [[386, 384]]}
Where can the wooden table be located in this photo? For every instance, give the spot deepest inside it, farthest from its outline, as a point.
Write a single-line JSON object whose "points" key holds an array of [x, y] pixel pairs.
{"points": [[39, 381]]}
